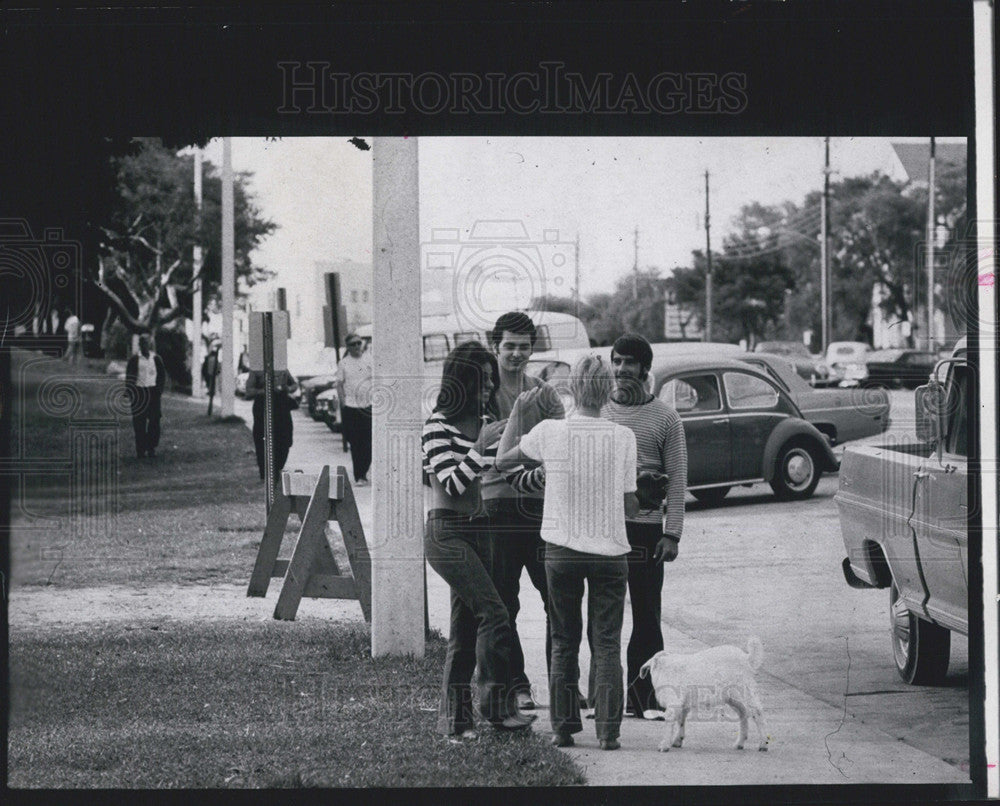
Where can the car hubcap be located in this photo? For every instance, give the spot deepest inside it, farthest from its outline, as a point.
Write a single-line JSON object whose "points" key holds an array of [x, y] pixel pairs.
{"points": [[799, 468]]}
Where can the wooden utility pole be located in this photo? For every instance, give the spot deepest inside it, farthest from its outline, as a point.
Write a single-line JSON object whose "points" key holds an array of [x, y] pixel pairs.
{"points": [[708, 270], [576, 275], [635, 267], [824, 256], [931, 234]]}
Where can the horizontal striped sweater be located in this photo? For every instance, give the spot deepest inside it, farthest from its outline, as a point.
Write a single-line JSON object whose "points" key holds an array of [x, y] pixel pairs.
{"points": [[449, 455]]}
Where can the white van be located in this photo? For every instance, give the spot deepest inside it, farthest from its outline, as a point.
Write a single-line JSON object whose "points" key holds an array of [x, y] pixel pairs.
{"points": [[442, 333]]}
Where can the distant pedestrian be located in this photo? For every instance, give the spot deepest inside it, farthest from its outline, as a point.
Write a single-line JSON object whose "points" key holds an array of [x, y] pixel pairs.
{"points": [[145, 377], [72, 328], [244, 361], [354, 390], [284, 385], [210, 371]]}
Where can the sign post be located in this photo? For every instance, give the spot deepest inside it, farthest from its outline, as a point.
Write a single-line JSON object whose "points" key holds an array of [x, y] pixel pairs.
{"points": [[269, 354], [268, 340]]}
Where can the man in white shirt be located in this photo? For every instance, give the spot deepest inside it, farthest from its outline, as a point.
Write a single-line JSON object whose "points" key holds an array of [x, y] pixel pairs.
{"points": [[72, 328], [354, 390], [144, 379]]}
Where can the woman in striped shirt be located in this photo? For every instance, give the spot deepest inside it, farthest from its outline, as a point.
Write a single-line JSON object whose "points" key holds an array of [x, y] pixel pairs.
{"points": [[458, 445]]}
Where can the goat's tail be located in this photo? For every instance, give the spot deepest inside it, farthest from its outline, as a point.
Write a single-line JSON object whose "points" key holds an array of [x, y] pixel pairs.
{"points": [[756, 652]]}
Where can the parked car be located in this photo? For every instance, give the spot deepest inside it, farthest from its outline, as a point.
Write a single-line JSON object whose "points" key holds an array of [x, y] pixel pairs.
{"points": [[904, 512], [312, 388], [846, 360], [327, 407], [899, 368], [811, 367], [741, 426], [842, 414]]}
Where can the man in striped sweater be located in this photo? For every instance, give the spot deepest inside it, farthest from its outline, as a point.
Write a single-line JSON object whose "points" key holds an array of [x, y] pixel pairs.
{"points": [[654, 533]]}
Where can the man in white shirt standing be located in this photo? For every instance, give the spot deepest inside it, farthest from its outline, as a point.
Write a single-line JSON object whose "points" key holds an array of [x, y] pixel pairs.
{"points": [[354, 390], [145, 376], [72, 328]]}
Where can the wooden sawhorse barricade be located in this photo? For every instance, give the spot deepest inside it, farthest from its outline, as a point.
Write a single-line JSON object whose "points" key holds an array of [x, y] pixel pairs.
{"points": [[312, 570]]}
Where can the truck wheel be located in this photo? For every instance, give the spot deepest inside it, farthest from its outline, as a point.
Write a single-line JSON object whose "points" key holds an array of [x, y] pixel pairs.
{"points": [[919, 647], [796, 472], [713, 495]]}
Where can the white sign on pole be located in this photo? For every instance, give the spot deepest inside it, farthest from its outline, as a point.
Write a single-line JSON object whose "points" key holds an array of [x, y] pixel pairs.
{"points": [[281, 325]]}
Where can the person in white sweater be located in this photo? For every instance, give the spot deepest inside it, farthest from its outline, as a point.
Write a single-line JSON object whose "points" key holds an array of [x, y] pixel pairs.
{"points": [[589, 464]]}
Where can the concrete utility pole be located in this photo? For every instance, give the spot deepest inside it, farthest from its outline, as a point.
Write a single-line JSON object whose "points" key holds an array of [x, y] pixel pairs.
{"points": [[226, 376], [196, 302], [931, 234], [708, 270], [396, 543], [824, 256]]}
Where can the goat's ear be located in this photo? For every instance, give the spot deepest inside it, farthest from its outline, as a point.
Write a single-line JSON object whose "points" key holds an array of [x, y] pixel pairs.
{"points": [[644, 669]]}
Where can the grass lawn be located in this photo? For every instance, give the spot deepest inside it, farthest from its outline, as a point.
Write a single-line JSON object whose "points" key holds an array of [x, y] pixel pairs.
{"points": [[90, 513], [270, 704], [198, 704]]}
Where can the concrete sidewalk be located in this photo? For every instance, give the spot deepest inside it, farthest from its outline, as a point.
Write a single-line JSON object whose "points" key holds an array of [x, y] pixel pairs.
{"points": [[811, 741]]}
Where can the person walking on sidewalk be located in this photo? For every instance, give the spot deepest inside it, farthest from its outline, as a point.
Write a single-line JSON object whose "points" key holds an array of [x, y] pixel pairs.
{"points": [[458, 445], [354, 391], [72, 327], [284, 385], [145, 377], [653, 533], [589, 465], [515, 518], [210, 371]]}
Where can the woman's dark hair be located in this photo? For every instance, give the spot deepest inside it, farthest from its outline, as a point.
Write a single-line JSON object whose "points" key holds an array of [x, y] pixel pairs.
{"points": [[634, 346], [461, 379]]}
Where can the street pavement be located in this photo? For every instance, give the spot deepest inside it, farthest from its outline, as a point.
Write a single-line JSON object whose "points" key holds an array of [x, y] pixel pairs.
{"points": [[833, 722]]}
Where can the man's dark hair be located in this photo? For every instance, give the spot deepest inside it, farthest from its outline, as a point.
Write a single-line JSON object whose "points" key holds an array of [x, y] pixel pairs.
{"points": [[513, 322], [634, 346]]}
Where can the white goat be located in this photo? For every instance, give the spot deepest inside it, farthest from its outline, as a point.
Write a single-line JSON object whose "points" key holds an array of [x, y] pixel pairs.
{"points": [[722, 675]]}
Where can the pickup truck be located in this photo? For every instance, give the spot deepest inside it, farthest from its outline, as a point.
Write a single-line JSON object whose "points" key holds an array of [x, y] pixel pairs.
{"points": [[903, 515]]}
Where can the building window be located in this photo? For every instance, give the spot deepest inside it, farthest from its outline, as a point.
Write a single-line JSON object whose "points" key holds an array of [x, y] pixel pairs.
{"points": [[354, 296], [364, 296]]}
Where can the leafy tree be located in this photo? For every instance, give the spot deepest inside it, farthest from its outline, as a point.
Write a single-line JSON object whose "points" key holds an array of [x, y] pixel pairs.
{"points": [[145, 269]]}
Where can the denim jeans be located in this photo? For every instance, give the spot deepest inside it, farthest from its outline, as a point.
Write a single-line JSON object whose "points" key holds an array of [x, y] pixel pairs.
{"points": [[515, 544], [456, 549], [606, 577], [645, 588]]}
